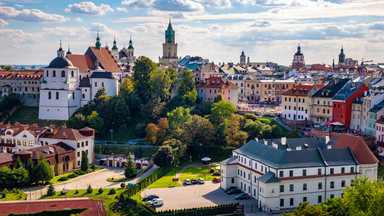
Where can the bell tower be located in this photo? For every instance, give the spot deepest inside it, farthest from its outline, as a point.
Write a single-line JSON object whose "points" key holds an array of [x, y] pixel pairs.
{"points": [[169, 47]]}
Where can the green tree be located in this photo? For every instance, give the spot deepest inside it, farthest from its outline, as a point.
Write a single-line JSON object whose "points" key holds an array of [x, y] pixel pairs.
{"points": [[29, 166], [20, 177], [294, 133], [6, 67], [160, 83], [51, 190], [190, 97], [164, 156], [118, 112], [77, 121], [266, 132], [151, 133], [233, 135], [220, 111], [218, 98], [10, 101], [84, 161], [130, 169], [95, 121], [126, 87], [187, 82], [89, 189], [43, 171], [142, 77], [199, 131], [18, 163], [178, 147], [162, 129], [206, 108], [177, 117]]}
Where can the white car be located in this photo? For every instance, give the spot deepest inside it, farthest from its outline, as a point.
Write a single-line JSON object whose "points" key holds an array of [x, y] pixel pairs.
{"points": [[156, 202], [187, 182], [201, 181]]}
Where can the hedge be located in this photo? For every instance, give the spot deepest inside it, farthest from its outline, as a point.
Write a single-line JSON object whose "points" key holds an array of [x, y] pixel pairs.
{"points": [[201, 211], [66, 212]]}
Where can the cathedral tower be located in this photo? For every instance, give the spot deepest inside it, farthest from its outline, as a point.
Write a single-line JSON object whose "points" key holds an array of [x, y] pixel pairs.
{"points": [[298, 59], [169, 47], [242, 58], [342, 56]]}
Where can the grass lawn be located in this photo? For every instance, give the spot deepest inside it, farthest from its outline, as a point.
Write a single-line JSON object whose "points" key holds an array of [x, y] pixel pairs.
{"points": [[272, 122], [55, 179], [196, 173], [380, 171], [166, 181], [13, 196], [29, 115]]}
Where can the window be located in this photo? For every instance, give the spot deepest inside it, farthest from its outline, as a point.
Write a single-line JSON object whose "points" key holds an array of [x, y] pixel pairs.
{"points": [[73, 95], [291, 201], [86, 143], [290, 173], [352, 169], [320, 185], [49, 95], [72, 74], [78, 154], [233, 180], [304, 186], [319, 171], [62, 73], [319, 199], [291, 187], [281, 202], [54, 73], [281, 174], [57, 95], [78, 145], [332, 196], [304, 172], [82, 144], [342, 170], [342, 183], [47, 74], [281, 188], [332, 184], [332, 170], [95, 84], [24, 143], [304, 199], [30, 143]]}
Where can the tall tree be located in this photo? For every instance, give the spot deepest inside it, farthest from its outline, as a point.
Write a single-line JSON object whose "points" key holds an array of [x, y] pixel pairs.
{"points": [[130, 170], [126, 87], [43, 172], [77, 121], [178, 147], [177, 117], [151, 133], [162, 129], [220, 111], [84, 161], [160, 83], [164, 156], [200, 131], [18, 163], [118, 112], [142, 77], [218, 98], [95, 121], [234, 136], [187, 82]]}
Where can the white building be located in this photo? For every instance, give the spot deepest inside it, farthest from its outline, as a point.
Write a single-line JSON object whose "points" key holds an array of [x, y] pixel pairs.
{"points": [[19, 137], [281, 173]]}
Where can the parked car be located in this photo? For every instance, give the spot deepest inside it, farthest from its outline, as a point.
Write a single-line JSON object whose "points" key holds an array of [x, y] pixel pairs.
{"points": [[194, 181], [130, 184], [132, 142], [187, 182], [155, 202], [234, 191], [243, 196], [150, 197], [216, 179], [201, 181], [229, 188]]}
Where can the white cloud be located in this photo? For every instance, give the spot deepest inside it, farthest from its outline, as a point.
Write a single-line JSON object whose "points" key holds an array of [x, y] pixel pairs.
{"points": [[78, 19], [32, 15], [103, 29], [165, 5], [16, 37], [19, 5], [64, 32], [216, 3], [3, 23], [120, 9], [89, 8]]}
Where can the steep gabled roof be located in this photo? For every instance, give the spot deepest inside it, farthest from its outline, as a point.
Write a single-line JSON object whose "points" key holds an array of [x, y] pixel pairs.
{"points": [[83, 62], [331, 88], [359, 148], [105, 58], [300, 90]]}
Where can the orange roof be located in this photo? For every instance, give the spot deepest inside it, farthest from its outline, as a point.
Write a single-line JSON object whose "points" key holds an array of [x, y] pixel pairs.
{"points": [[300, 90], [106, 59], [320, 67], [216, 82], [21, 75], [359, 148], [83, 62]]}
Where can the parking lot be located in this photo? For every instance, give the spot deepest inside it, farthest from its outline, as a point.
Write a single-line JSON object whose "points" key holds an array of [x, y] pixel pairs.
{"points": [[191, 196]]}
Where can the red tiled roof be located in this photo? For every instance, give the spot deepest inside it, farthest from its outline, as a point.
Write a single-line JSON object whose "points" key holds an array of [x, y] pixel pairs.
{"points": [[300, 90], [381, 120], [359, 148], [216, 82], [106, 59], [21, 75], [83, 62], [320, 67], [64, 133], [18, 128]]}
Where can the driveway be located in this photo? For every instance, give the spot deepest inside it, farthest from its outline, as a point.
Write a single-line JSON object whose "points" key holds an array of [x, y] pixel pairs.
{"points": [[191, 196], [96, 180]]}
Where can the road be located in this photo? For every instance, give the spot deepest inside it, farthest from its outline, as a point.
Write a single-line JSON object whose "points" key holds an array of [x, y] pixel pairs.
{"points": [[96, 179]]}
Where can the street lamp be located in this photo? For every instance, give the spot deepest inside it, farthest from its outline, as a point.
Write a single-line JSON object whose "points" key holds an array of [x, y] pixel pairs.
{"points": [[111, 134]]}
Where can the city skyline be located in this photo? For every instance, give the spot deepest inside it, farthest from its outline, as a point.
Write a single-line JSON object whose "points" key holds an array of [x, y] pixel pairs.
{"points": [[219, 30]]}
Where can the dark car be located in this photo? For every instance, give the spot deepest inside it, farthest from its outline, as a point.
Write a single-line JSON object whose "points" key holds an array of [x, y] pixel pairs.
{"points": [[234, 191], [194, 181], [229, 188], [243, 196], [150, 197]]}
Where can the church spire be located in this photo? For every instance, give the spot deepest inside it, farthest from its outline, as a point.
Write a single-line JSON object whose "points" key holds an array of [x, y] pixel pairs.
{"points": [[114, 44], [130, 43], [60, 51], [342, 55], [69, 50], [98, 44], [170, 33]]}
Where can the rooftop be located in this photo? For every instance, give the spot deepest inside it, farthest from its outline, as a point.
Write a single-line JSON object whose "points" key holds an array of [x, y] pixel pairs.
{"points": [[331, 88], [359, 148]]}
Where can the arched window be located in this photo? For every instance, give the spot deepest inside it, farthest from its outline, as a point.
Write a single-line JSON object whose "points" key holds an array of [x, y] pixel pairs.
{"points": [[72, 74], [54, 73], [66, 158], [49, 162], [49, 95], [57, 95], [62, 73], [73, 95], [46, 75]]}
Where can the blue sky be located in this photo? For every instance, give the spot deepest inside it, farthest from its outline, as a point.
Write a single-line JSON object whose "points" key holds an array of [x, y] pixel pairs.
{"points": [[267, 30]]}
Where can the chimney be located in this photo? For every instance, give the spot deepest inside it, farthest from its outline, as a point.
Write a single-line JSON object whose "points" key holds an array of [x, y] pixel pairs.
{"points": [[265, 142], [327, 139], [298, 148], [283, 140], [65, 135]]}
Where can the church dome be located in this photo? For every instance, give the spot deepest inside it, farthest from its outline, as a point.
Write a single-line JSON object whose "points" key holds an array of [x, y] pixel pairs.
{"points": [[60, 62]]}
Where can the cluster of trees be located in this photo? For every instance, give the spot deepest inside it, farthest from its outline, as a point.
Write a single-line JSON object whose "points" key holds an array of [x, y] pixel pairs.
{"points": [[6, 67], [8, 102], [364, 197], [22, 176]]}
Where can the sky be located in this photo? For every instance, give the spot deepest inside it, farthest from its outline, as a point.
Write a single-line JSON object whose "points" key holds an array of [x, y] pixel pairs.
{"points": [[218, 30]]}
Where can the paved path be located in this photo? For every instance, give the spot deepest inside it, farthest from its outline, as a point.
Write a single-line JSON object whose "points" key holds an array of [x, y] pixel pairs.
{"points": [[96, 179]]}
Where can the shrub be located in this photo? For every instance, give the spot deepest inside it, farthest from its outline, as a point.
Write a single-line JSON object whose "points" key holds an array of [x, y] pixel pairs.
{"points": [[3, 195], [18, 191], [212, 170], [112, 191], [101, 190], [64, 178], [89, 189], [72, 175], [76, 191], [93, 166], [51, 190], [14, 190], [5, 190], [79, 172], [122, 185]]}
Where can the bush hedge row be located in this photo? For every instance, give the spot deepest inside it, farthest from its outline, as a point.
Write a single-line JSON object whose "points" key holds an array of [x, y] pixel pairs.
{"points": [[65, 212]]}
